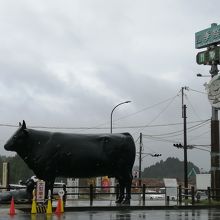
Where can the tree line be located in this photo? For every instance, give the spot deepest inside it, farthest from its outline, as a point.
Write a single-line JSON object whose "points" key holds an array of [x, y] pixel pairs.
{"points": [[18, 170], [171, 168]]}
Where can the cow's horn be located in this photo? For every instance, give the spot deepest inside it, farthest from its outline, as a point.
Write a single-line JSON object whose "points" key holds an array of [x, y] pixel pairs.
{"points": [[24, 125]]}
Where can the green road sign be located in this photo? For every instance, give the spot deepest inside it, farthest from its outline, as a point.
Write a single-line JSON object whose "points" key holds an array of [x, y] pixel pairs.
{"points": [[209, 57], [208, 36]]}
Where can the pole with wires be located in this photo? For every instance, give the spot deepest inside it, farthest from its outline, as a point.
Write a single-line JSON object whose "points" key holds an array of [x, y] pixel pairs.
{"points": [[140, 160], [185, 143]]}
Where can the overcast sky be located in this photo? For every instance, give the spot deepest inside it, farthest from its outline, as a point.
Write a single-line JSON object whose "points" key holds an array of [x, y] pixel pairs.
{"points": [[67, 64]]}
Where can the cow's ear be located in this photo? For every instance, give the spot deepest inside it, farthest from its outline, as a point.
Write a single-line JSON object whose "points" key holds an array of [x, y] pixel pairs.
{"points": [[19, 124], [24, 125]]}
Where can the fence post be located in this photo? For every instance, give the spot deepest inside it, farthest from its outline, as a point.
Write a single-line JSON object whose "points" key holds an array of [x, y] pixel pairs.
{"points": [[143, 193], [180, 194], [167, 200], [91, 194], [65, 192], [193, 195], [209, 194]]}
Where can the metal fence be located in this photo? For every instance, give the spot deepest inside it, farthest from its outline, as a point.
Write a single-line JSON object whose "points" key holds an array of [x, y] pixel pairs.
{"points": [[97, 192], [191, 194], [94, 192]]}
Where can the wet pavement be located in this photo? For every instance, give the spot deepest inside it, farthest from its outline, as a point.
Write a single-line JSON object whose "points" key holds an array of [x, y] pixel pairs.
{"points": [[107, 210], [189, 214]]}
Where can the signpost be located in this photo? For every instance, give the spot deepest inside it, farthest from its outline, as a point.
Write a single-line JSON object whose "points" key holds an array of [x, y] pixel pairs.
{"points": [[208, 57], [210, 38], [5, 174]]}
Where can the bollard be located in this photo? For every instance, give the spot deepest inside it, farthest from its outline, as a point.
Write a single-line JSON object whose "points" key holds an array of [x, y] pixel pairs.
{"points": [[143, 193], [180, 194], [117, 191], [193, 195], [91, 194]]}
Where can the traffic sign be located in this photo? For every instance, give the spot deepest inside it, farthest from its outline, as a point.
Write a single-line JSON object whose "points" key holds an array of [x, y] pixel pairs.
{"points": [[207, 37], [209, 57]]}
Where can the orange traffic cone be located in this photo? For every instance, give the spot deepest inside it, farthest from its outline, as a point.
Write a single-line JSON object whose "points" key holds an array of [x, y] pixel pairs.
{"points": [[59, 207], [12, 207]]}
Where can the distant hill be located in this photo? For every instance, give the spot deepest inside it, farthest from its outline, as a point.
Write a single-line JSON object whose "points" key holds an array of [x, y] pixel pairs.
{"points": [[18, 169], [171, 168]]}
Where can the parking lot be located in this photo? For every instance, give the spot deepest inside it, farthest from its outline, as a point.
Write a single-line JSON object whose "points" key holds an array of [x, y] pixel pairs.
{"points": [[192, 214]]}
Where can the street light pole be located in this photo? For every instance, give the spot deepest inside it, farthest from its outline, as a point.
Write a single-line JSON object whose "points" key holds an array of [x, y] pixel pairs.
{"points": [[113, 111], [113, 179]]}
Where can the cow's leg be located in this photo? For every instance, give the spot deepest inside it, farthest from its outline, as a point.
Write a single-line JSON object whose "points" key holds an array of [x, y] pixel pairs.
{"points": [[128, 183], [121, 191]]}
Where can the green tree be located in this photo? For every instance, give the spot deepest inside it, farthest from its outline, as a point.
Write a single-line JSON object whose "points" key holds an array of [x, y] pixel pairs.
{"points": [[18, 170], [171, 168]]}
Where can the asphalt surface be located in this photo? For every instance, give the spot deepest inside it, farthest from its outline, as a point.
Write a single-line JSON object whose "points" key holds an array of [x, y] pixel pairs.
{"points": [[108, 210], [194, 214]]}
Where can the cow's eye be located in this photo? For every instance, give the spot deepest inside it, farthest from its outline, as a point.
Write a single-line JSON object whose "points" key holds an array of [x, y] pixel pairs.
{"points": [[17, 137]]}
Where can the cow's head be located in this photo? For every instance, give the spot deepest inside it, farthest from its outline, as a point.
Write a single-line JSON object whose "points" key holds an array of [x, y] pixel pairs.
{"points": [[17, 139]]}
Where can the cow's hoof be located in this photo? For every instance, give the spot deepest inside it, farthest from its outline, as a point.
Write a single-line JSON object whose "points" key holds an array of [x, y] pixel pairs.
{"points": [[126, 202], [119, 200]]}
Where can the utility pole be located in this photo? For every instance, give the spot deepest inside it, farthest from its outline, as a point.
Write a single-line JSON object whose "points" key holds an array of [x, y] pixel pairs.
{"points": [[209, 39], [185, 143], [215, 151], [140, 158]]}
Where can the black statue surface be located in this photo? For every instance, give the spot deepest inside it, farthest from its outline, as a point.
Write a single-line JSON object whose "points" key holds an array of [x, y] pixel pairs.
{"points": [[54, 154]]}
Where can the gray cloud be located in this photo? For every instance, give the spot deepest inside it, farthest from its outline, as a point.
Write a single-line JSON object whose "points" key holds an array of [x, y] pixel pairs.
{"points": [[69, 64]]}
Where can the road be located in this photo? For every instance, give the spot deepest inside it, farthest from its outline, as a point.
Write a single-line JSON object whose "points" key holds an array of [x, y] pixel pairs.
{"points": [[201, 214]]}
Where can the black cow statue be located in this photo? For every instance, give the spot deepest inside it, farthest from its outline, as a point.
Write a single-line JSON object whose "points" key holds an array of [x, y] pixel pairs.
{"points": [[53, 154]]}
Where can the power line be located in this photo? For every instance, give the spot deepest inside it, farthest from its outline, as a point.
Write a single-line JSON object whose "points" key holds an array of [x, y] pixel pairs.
{"points": [[148, 107], [157, 116], [8, 125], [198, 136], [202, 149], [129, 115], [193, 108], [204, 93], [179, 132], [162, 139], [100, 128]]}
